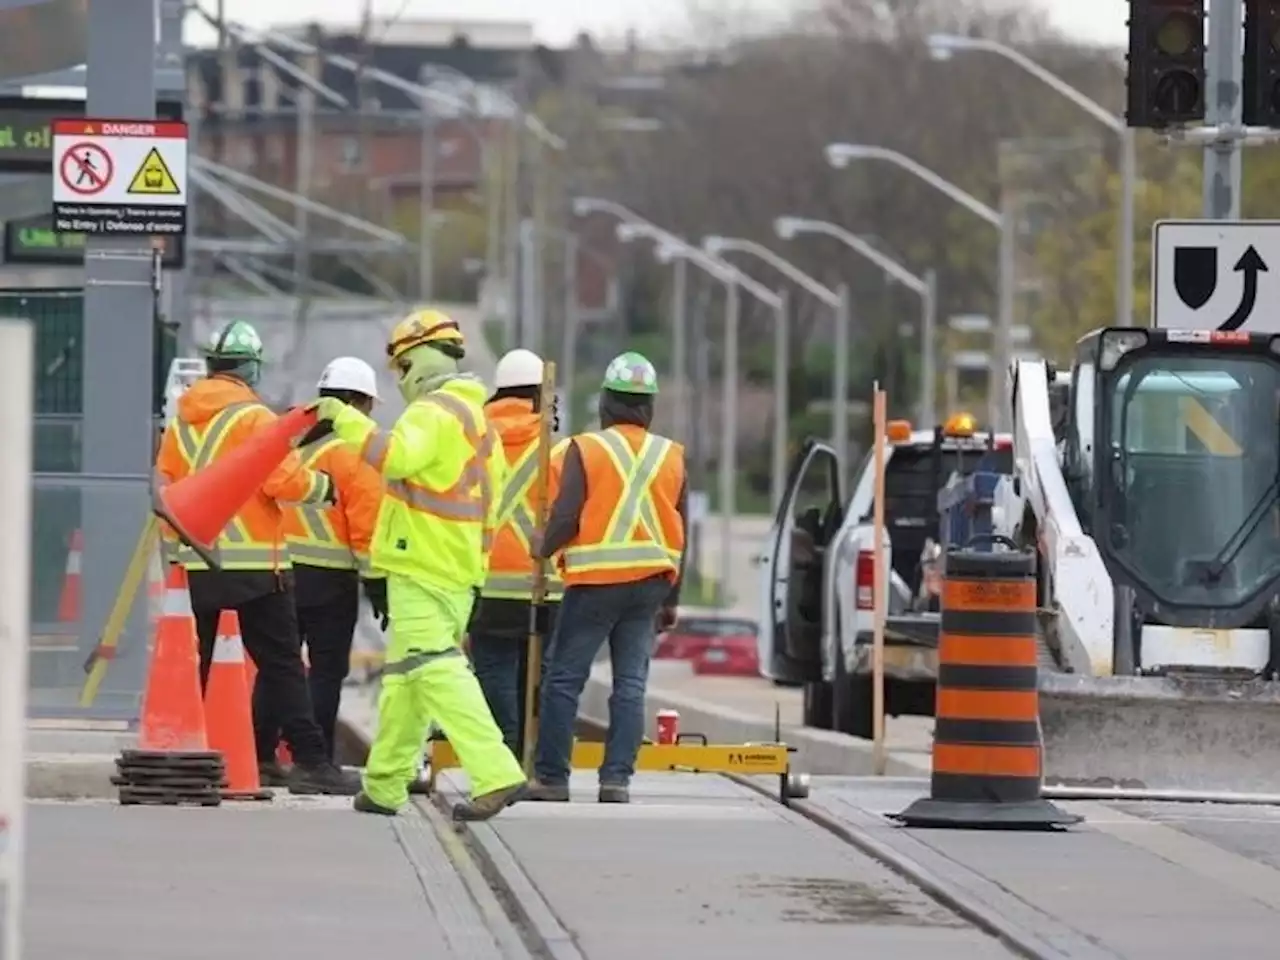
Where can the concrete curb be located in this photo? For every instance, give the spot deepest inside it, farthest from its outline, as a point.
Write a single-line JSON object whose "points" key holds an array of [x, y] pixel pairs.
{"points": [[818, 752], [486, 866], [70, 777], [967, 894]]}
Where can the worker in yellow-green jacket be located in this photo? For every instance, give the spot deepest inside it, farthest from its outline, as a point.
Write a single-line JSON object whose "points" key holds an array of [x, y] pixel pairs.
{"points": [[443, 467]]}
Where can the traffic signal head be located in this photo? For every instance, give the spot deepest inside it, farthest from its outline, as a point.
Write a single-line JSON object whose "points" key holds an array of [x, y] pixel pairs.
{"points": [[1260, 106], [1166, 62]]}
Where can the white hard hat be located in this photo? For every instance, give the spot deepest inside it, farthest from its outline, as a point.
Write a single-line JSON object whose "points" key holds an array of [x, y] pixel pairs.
{"points": [[350, 373], [518, 368]]}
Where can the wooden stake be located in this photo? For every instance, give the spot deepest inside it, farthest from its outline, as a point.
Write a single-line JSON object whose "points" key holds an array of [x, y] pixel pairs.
{"points": [[880, 757], [541, 508]]}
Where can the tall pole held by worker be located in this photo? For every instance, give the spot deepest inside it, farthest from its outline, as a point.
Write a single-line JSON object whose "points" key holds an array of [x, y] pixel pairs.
{"points": [[533, 669], [879, 594]]}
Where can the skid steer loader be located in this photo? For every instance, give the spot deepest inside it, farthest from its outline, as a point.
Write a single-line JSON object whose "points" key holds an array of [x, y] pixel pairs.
{"points": [[1151, 476]]}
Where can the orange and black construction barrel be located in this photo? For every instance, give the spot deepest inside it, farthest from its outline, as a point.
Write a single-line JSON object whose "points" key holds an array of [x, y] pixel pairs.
{"points": [[987, 752]]}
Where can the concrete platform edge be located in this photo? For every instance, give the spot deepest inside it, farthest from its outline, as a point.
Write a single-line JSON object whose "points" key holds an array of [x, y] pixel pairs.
{"points": [[501, 890], [70, 777], [947, 882]]}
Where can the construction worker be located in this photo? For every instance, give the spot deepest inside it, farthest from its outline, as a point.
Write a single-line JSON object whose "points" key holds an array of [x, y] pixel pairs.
{"points": [[500, 624], [329, 546], [619, 518], [442, 469], [214, 417]]}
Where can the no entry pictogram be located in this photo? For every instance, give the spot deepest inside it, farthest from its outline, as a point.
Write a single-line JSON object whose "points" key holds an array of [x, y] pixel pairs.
{"points": [[85, 169]]}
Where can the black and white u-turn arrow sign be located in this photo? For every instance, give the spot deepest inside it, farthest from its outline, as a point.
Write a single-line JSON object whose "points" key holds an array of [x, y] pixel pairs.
{"points": [[1216, 275]]}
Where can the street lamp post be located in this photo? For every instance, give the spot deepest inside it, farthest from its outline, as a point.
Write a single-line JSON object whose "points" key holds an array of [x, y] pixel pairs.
{"points": [[787, 228], [946, 44], [840, 154], [671, 249], [717, 246], [584, 206]]}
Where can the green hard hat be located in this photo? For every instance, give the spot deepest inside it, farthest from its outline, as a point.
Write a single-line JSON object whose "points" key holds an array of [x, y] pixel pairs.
{"points": [[631, 372], [235, 341]]}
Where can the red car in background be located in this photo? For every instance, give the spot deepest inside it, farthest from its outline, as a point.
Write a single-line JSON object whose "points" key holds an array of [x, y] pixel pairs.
{"points": [[714, 643]]}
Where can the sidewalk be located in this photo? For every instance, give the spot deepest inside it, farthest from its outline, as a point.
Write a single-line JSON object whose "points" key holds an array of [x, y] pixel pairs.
{"points": [[299, 877]]}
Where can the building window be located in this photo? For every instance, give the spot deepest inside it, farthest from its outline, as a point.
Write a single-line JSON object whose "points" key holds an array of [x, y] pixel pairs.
{"points": [[351, 154]]}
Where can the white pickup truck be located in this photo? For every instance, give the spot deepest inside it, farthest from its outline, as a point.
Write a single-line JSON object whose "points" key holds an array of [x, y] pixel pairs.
{"points": [[817, 617]]}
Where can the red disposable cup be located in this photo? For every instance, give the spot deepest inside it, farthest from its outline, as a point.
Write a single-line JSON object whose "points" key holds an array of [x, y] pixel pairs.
{"points": [[668, 726]]}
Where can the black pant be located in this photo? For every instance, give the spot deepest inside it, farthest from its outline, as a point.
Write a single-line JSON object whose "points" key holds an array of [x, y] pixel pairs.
{"points": [[500, 658], [327, 628], [269, 629]]}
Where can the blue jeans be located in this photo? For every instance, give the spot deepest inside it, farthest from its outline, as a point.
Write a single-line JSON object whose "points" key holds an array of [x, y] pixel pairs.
{"points": [[500, 661], [625, 615]]}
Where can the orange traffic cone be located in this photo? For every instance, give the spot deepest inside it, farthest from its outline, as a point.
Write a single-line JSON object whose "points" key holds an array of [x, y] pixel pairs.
{"points": [[69, 601], [226, 702], [199, 506], [172, 715]]}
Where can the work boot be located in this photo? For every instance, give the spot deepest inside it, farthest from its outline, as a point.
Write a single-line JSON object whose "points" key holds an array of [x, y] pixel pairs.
{"points": [[489, 804], [547, 792], [363, 804], [272, 774], [325, 778], [419, 788], [614, 793]]}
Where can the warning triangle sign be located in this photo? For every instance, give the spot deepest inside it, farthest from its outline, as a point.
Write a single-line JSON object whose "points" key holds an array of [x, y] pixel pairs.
{"points": [[153, 177]]}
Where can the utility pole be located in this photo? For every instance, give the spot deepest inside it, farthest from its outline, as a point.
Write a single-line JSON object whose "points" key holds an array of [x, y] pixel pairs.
{"points": [[304, 175], [1225, 69], [364, 90], [426, 196]]}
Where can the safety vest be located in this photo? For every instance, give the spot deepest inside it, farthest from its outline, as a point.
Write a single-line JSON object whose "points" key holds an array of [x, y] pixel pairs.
{"points": [[442, 535], [630, 526], [320, 537], [235, 548], [511, 564]]}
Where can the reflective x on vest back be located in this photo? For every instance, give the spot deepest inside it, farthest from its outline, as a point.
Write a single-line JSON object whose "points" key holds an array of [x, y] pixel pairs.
{"points": [[514, 515], [621, 548], [320, 546], [235, 548], [467, 501]]}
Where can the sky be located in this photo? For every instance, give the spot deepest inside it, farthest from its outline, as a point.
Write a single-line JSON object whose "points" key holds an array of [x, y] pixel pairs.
{"points": [[557, 22]]}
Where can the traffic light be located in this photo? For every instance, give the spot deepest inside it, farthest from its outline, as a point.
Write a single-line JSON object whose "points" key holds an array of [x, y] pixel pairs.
{"points": [[1166, 62], [1261, 93]]}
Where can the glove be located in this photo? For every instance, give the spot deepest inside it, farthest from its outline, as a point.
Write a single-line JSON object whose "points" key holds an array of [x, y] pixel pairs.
{"points": [[326, 408], [666, 619], [330, 495], [375, 591]]}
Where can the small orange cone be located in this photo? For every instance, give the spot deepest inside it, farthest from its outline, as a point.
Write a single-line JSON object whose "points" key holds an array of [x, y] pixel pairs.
{"points": [[69, 601], [226, 702], [172, 715], [199, 506]]}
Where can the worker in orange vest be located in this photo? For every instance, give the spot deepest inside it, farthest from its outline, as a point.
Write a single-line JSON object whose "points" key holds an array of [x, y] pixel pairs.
{"points": [[619, 518], [214, 417], [329, 544], [500, 624]]}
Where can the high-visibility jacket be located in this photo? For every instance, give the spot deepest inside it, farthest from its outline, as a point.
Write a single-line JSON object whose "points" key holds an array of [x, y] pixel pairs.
{"points": [[630, 526], [336, 536], [215, 416], [511, 563], [442, 467]]}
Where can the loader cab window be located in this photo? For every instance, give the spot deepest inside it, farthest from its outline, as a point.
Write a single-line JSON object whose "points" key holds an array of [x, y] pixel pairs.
{"points": [[1192, 464], [1080, 442]]}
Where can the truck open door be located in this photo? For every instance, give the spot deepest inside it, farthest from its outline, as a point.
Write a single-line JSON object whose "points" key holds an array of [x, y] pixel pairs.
{"points": [[808, 517]]}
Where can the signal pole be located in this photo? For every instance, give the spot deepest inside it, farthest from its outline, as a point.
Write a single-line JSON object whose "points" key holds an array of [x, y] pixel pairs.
{"points": [[1222, 167]]}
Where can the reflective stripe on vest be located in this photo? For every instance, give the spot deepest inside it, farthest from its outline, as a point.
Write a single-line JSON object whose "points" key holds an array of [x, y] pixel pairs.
{"points": [[513, 511], [235, 548], [620, 548], [467, 501], [320, 546]]}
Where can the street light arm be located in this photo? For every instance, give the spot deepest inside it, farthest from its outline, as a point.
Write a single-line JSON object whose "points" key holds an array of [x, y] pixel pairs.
{"points": [[582, 206], [670, 246], [1051, 80], [793, 225], [962, 197], [715, 245]]}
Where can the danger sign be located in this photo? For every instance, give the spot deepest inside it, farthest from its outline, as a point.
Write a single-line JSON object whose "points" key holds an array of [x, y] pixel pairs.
{"points": [[120, 177]]}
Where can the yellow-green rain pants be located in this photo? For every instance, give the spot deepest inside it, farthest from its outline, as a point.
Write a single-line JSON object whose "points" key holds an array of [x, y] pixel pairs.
{"points": [[427, 677]]}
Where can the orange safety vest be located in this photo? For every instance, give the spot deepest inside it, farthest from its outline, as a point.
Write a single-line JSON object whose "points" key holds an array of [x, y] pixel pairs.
{"points": [[336, 536], [511, 565], [630, 526], [215, 416]]}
